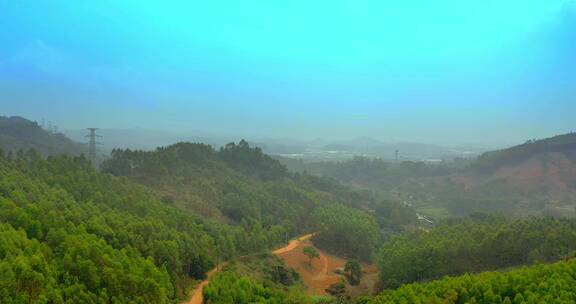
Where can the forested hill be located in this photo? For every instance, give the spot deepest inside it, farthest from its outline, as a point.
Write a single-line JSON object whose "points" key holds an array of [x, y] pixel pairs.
{"points": [[535, 178], [538, 177], [463, 247], [546, 283], [69, 234], [565, 144], [238, 184], [17, 133]]}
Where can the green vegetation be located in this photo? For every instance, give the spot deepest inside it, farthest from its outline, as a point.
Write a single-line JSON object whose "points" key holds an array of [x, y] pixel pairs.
{"points": [[534, 178], [353, 271], [17, 133], [347, 232], [338, 291], [311, 253], [257, 279], [237, 183], [535, 284], [474, 244], [73, 235], [517, 154], [374, 173], [240, 184]]}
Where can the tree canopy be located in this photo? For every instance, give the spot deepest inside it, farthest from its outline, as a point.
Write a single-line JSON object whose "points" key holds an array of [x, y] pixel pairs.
{"points": [[474, 244]]}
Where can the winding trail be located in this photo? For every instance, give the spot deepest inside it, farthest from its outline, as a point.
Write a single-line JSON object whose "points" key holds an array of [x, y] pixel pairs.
{"points": [[293, 244], [324, 271], [319, 274], [197, 294]]}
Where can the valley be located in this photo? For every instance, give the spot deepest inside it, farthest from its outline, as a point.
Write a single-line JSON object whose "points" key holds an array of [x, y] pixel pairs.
{"points": [[219, 220], [287, 152]]}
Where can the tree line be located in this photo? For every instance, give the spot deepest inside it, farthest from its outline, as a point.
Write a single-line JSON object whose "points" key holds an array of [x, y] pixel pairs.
{"points": [[477, 243], [244, 185], [74, 235], [150, 221], [546, 283]]}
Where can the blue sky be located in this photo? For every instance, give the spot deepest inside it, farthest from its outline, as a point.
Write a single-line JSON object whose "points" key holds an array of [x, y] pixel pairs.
{"points": [[435, 71]]}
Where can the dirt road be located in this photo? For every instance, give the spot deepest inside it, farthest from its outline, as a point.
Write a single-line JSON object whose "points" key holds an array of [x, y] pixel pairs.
{"points": [[317, 276], [197, 296], [293, 244]]}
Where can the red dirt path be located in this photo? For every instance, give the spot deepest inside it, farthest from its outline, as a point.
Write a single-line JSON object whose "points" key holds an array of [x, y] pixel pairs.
{"points": [[320, 275], [317, 277], [197, 296]]}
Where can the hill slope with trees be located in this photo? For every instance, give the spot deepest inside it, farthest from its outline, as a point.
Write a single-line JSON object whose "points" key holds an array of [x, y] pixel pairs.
{"points": [[238, 184], [74, 235], [565, 143], [71, 233], [535, 178], [17, 133], [552, 283], [474, 244]]}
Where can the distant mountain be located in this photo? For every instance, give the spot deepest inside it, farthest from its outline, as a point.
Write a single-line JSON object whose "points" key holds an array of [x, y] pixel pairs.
{"points": [[565, 144], [342, 150], [17, 133], [538, 177], [307, 150]]}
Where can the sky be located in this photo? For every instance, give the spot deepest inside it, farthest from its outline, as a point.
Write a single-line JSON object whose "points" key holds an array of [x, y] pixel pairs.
{"points": [[443, 71]]}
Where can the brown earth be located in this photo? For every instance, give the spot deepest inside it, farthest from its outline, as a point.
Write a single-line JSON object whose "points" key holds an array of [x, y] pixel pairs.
{"points": [[545, 183], [554, 170], [321, 273], [318, 276], [197, 296]]}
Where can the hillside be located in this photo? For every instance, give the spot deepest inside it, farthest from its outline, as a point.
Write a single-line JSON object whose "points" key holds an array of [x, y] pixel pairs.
{"points": [[449, 263], [563, 144], [553, 283], [72, 235], [538, 177], [473, 244], [17, 133], [239, 184]]}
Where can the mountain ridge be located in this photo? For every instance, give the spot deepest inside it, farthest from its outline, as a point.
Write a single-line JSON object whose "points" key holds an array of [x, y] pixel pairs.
{"points": [[18, 133]]}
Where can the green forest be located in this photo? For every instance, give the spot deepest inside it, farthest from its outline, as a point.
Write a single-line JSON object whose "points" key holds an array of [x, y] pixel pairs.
{"points": [[259, 278], [492, 160], [18, 133], [287, 152], [474, 244], [547, 283], [73, 234], [243, 186], [146, 226]]}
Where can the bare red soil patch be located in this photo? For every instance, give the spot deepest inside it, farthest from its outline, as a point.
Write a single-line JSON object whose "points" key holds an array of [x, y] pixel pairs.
{"points": [[321, 273]]}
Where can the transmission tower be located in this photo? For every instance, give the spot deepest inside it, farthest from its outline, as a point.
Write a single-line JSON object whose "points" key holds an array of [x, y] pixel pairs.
{"points": [[397, 154], [92, 144]]}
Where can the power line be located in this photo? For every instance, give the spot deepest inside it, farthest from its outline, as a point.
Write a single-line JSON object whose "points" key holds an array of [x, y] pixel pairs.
{"points": [[92, 144]]}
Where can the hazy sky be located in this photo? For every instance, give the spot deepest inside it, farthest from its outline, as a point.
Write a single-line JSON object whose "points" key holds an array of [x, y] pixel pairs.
{"points": [[420, 70]]}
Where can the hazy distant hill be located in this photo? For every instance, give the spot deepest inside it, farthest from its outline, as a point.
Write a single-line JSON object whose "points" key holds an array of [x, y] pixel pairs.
{"points": [[565, 144], [17, 133], [538, 177], [306, 150]]}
